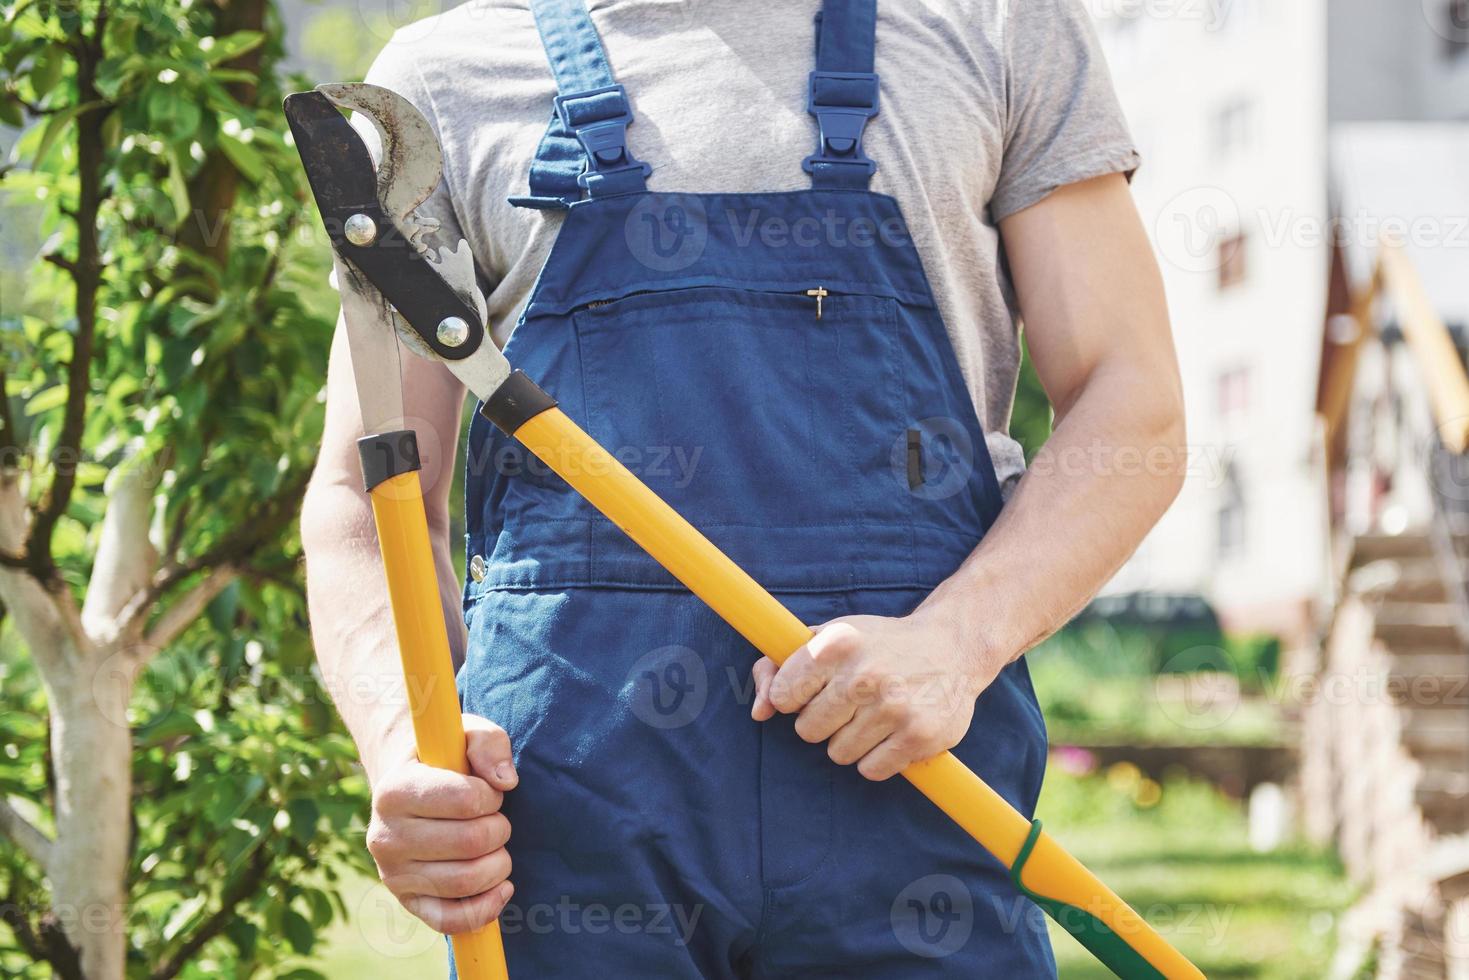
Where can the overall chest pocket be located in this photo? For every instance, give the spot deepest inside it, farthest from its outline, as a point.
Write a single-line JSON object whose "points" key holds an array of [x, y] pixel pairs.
{"points": [[745, 410]]}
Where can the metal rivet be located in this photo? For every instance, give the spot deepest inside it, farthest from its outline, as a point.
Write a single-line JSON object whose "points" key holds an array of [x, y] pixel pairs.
{"points": [[478, 568], [453, 331], [361, 230]]}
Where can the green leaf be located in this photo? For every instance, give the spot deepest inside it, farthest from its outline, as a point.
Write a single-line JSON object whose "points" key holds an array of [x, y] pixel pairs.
{"points": [[178, 187], [11, 113], [245, 935], [230, 47], [52, 398], [58, 125], [298, 931], [304, 815], [247, 159], [321, 907], [49, 67]]}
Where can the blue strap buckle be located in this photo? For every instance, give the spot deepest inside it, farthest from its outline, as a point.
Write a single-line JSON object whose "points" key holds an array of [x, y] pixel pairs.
{"points": [[599, 119], [842, 102]]}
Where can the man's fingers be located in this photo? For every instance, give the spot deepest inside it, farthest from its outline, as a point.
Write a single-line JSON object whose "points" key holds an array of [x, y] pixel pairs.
{"points": [[438, 794], [452, 879], [813, 666], [489, 753], [864, 733], [826, 714], [764, 673], [889, 758], [455, 917], [443, 840]]}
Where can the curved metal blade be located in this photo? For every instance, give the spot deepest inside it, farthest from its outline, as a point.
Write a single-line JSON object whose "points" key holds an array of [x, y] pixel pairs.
{"points": [[373, 347], [412, 163], [336, 160]]}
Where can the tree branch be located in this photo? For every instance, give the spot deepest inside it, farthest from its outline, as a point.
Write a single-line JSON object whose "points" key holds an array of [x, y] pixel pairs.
{"points": [[13, 914], [125, 559], [9, 457], [46, 944], [211, 927], [47, 617], [31, 840], [87, 279], [187, 608], [234, 549], [61, 262]]}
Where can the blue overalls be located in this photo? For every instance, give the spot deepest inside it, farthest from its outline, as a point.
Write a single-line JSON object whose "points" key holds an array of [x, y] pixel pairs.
{"points": [[775, 367]]}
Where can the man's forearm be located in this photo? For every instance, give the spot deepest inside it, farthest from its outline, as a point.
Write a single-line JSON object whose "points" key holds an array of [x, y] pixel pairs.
{"points": [[1113, 465], [352, 624]]}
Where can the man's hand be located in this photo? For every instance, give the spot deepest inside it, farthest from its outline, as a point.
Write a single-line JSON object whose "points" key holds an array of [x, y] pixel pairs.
{"points": [[439, 837], [884, 693]]}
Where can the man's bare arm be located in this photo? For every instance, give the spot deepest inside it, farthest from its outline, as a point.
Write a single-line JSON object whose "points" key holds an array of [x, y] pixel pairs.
{"points": [[438, 837], [1097, 324], [350, 619]]}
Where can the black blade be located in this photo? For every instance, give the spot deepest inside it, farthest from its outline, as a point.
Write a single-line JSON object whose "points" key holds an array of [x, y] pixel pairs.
{"points": [[343, 179], [337, 163]]}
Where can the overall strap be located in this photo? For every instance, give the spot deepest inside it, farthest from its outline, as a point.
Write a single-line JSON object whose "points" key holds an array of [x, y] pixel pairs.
{"points": [[585, 146], [843, 95]]}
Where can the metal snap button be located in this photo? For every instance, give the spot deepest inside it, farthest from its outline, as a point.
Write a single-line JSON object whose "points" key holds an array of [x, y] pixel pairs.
{"points": [[478, 568]]}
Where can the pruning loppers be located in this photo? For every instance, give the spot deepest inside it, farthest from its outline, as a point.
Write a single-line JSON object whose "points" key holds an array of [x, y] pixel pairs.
{"points": [[395, 284]]}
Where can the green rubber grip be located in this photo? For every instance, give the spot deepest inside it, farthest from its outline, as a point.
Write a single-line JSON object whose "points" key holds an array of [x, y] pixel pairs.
{"points": [[1108, 947]]}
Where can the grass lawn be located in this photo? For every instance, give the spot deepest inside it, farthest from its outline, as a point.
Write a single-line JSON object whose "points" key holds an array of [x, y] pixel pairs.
{"points": [[1179, 854], [381, 940]]}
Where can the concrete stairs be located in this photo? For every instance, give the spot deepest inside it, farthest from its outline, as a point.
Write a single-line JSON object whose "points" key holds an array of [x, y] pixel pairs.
{"points": [[1400, 656]]}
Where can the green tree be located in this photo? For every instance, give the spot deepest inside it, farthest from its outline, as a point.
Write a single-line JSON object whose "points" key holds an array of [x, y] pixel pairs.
{"points": [[173, 789], [1030, 422]]}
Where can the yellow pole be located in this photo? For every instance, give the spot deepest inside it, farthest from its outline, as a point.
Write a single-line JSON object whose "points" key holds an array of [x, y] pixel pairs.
{"points": [[1053, 877], [428, 670]]}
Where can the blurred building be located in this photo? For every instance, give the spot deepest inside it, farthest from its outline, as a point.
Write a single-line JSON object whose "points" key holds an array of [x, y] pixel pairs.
{"points": [[1402, 61], [1236, 105], [1228, 103], [1304, 181]]}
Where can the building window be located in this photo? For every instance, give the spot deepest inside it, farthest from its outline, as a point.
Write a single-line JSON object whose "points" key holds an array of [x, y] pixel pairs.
{"points": [[1232, 394], [1456, 13], [1234, 127], [1231, 516], [1232, 261]]}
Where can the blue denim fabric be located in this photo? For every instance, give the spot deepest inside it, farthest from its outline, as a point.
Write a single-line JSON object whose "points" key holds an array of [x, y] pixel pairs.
{"points": [[775, 367], [659, 832]]}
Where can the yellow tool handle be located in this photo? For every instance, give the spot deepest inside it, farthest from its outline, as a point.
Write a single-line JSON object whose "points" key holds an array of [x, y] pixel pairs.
{"points": [[428, 670], [1113, 931]]}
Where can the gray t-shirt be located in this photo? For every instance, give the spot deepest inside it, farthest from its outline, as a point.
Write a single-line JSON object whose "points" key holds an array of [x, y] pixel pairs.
{"points": [[987, 107]]}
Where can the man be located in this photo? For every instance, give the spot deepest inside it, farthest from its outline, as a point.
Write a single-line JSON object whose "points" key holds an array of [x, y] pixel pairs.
{"points": [[774, 361]]}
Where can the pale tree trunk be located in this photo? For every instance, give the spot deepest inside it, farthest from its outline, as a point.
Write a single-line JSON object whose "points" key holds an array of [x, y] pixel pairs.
{"points": [[93, 808], [91, 741], [89, 660], [91, 751]]}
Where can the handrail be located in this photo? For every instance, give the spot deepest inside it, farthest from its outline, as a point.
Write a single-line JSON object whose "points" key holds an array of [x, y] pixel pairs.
{"points": [[1432, 345], [1448, 468], [1441, 367]]}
